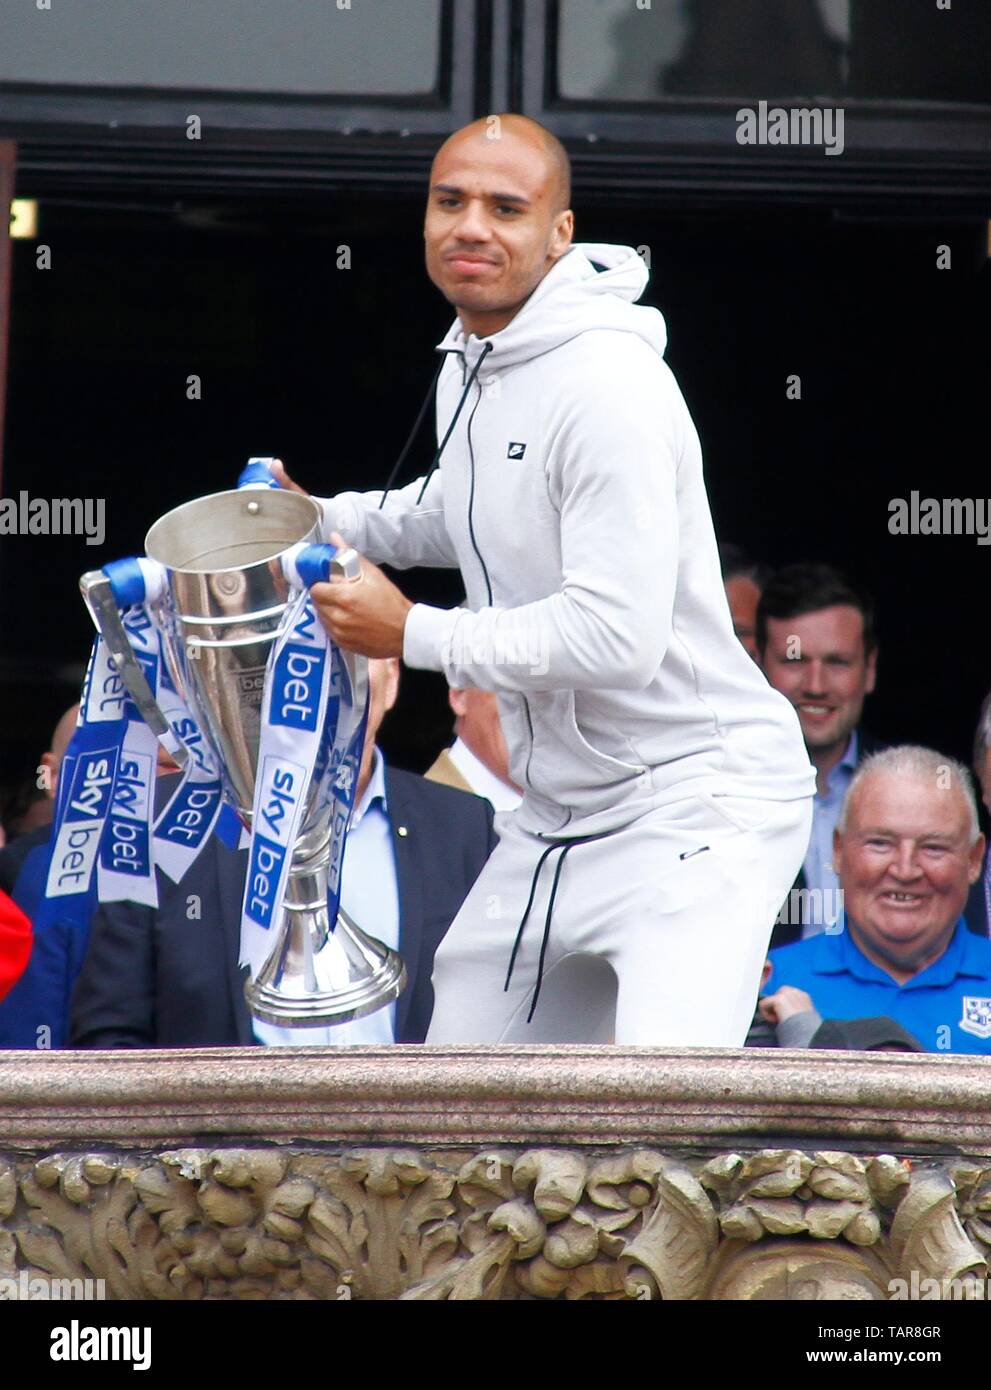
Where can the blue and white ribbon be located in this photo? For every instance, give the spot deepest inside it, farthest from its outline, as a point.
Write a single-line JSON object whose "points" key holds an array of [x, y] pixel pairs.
{"points": [[126, 869], [83, 795], [197, 804], [299, 728], [103, 797], [106, 790], [343, 746], [102, 831], [256, 473]]}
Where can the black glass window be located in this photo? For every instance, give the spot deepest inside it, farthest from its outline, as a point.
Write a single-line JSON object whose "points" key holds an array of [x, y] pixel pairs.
{"points": [[367, 47], [893, 50]]}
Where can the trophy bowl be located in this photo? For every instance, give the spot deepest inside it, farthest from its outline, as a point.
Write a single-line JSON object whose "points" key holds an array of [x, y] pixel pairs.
{"points": [[224, 604]]}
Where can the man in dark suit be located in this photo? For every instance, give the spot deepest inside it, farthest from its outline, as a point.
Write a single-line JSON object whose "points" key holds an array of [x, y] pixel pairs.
{"points": [[169, 977], [817, 645]]}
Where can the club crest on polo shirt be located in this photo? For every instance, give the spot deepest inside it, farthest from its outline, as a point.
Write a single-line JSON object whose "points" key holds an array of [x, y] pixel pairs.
{"points": [[976, 1017], [515, 451]]}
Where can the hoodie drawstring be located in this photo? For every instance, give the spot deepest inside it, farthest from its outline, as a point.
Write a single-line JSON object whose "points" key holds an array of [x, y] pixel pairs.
{"points": [[564, 846], [454, 419], [419, 421], [412, 435]]}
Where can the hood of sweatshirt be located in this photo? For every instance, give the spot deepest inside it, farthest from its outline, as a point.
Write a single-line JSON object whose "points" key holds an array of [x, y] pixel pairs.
{"points": [[592, 286]]}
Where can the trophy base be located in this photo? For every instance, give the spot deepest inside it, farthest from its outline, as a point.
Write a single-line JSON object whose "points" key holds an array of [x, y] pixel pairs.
{"points": [[289, 991]]}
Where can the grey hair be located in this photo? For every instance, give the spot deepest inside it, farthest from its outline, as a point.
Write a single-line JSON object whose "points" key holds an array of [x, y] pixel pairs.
{"points": [[924, 764]]}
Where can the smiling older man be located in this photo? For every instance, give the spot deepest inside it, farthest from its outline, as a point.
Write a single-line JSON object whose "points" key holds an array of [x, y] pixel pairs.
{"points": [[907, 849]]}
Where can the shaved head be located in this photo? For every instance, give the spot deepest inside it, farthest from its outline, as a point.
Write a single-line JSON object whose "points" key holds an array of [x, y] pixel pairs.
{"points": [[511, 126], [498, 217]]}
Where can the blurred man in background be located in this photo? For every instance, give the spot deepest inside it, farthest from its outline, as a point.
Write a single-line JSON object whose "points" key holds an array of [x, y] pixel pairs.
{"points": [[478, 759], [817, 645], [29, 811], [744, 580]]}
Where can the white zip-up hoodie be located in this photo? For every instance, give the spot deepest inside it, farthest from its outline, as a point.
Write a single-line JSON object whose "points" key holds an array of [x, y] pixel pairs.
{"points": [[570, 494]]}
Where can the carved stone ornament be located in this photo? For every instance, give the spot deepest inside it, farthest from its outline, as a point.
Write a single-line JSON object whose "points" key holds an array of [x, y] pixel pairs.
{"points": [[493, 1173], [543, 1223]]}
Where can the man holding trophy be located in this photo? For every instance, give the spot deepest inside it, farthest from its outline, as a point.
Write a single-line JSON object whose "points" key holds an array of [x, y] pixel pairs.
{"points": [[667, 791]]}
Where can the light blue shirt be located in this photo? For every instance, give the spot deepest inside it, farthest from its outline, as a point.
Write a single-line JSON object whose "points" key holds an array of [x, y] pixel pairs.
{"points": [[370, 896], [823, 905]]}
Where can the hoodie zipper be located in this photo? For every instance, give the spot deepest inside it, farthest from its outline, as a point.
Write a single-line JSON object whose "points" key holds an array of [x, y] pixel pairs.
{"points": [[466, 382], [485, 572], [471, 497], [529, 756]]}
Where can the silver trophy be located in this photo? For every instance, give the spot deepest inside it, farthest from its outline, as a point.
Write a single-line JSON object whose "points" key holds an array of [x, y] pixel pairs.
{"points": [[225, 600]]}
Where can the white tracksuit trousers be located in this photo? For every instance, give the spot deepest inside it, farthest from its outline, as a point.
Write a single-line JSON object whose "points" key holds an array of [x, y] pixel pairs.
{"points": [[657, 936]]}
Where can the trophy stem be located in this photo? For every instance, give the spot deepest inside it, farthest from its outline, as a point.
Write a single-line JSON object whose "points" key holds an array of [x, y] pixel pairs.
{"points": [[231, 598], [315, 976]]}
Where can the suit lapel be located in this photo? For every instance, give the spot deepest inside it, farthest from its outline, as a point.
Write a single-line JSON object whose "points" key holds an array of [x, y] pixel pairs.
{"points": [[231, 869], [410, 893]]}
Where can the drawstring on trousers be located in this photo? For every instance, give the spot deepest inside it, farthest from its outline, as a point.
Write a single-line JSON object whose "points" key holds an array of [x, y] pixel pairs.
{"points": [[564, 846]]}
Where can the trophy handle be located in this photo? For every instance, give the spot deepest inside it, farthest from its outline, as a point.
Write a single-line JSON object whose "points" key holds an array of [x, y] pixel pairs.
{"points": [[98, 595], [304, 565], [346, 564]]}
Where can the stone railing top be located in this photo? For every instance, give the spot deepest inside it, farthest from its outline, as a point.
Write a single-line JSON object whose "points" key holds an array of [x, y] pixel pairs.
{"points": [[585, 1096]]}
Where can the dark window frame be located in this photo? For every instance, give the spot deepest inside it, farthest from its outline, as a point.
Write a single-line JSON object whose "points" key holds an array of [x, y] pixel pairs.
{"points": [[929, 149], [35, 111], [494, 56]]}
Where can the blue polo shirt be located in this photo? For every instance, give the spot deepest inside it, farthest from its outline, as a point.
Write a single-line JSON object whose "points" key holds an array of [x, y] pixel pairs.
{"points": [[947, 1006]]}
